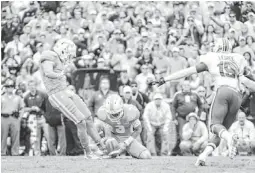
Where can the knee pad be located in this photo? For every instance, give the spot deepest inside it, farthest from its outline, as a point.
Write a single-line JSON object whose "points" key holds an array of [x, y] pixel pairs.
{"points": [[111, 144], [145, 155], [217, 129]]}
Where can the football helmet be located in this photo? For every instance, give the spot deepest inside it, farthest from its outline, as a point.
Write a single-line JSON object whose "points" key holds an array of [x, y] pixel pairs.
{"points": [[114, 106], [66, 49], [222, 45]]}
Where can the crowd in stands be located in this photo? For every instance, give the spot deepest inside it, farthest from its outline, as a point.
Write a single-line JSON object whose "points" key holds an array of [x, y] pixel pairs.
{"points": [[126, 44]]}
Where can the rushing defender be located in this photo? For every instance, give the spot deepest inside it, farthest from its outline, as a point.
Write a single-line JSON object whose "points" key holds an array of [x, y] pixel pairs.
{"points": [[225, 67], [121, 126], [52, 66]]}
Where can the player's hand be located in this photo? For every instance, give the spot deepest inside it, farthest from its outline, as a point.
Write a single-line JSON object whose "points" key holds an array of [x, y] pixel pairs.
{"points": [[35, 108], [123, 146]]}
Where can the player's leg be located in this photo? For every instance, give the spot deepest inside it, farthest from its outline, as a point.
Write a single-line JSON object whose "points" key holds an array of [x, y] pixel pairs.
{"points": [[66, 105], [235, 101], [138, 151], [91, 128], [218, 112], [164, 141], [151, 145]]}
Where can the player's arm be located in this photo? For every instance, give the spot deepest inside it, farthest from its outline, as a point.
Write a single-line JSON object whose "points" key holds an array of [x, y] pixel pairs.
{"points": [[187, 72], [248, 83], [47, 67], [137, 127]]}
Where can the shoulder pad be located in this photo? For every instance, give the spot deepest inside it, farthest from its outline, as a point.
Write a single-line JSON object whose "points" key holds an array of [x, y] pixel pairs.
{"points": [[101, 113], [48, 55], [131, 112]]}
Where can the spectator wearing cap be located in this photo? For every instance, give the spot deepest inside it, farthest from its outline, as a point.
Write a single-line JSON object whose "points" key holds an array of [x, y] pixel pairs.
{"points": [[143, 77], [11, 105], [107, 25], [243, 47], [194, 136], [157, 116], [127, 99], [251, 24], [177, 63], [245, 131], [35, 105], [25, 134]]}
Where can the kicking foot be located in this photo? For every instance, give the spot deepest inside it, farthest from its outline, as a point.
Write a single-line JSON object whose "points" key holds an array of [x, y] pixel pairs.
{"points": [[200, 161], [232, 144], [92, 156]]}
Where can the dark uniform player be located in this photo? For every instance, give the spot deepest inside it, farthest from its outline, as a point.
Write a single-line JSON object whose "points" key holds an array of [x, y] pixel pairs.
{"points": [[225, 67]]}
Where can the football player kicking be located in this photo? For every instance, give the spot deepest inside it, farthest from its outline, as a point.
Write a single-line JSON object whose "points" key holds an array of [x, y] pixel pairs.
{"points": [[121, 126], [225, 67], [52, 67]]}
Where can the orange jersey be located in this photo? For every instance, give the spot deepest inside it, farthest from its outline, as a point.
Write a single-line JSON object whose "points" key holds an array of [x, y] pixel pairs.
{"points": [[53, 85], [122, 128], [224, 67]]}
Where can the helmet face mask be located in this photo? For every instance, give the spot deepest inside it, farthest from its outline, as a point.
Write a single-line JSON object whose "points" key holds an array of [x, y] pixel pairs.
{"points": [[66, 49], [114, 107]]}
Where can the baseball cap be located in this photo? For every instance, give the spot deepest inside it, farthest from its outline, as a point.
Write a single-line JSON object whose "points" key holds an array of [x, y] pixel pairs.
{"points": [[175, 49], [127, 89], [81, 31], [231, 30], [241, 38], [145, 34], [87, 57], [93, 12], [133, 83], [192, 114], [251, 14], [157, 96], [129, 50], [9, 83], [117, 31], [100, 60]]}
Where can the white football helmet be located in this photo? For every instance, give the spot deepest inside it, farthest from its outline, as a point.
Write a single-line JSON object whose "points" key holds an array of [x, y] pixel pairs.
{"points": [[65, 48], [222, 45], [114, 106]]}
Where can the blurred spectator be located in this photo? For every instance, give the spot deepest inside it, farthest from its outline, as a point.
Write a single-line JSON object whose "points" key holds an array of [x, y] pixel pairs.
{"points": [[35, 105], [177, 63], [157, 116], [242, 48], [205, 106], [251, 23], [184, 102], [56, 130], [127, 98], [123, 81], [98, 98], [25, 134], [11, 105], [194, 136], [140, 97], [143, 77], [24, 77], [245, 131]]}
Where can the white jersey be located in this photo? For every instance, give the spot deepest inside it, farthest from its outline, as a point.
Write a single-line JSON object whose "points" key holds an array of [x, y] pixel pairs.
{"points": [[224, 68]]}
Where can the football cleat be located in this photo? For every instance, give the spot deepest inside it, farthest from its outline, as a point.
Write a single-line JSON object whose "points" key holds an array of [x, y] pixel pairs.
{"points": [[200, 161], [92, 156], [115, 153], [232, 144]]}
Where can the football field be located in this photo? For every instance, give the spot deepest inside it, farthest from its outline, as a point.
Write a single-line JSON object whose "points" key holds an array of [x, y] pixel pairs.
{"points": [[57, 164]]}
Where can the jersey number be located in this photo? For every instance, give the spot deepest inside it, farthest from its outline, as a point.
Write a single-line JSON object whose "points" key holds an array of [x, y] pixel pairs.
{"points": [[227, 69], [120, 129]]}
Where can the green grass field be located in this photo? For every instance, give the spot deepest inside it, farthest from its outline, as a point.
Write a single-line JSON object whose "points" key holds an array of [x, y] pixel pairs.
{"points": [[57, 164]]}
